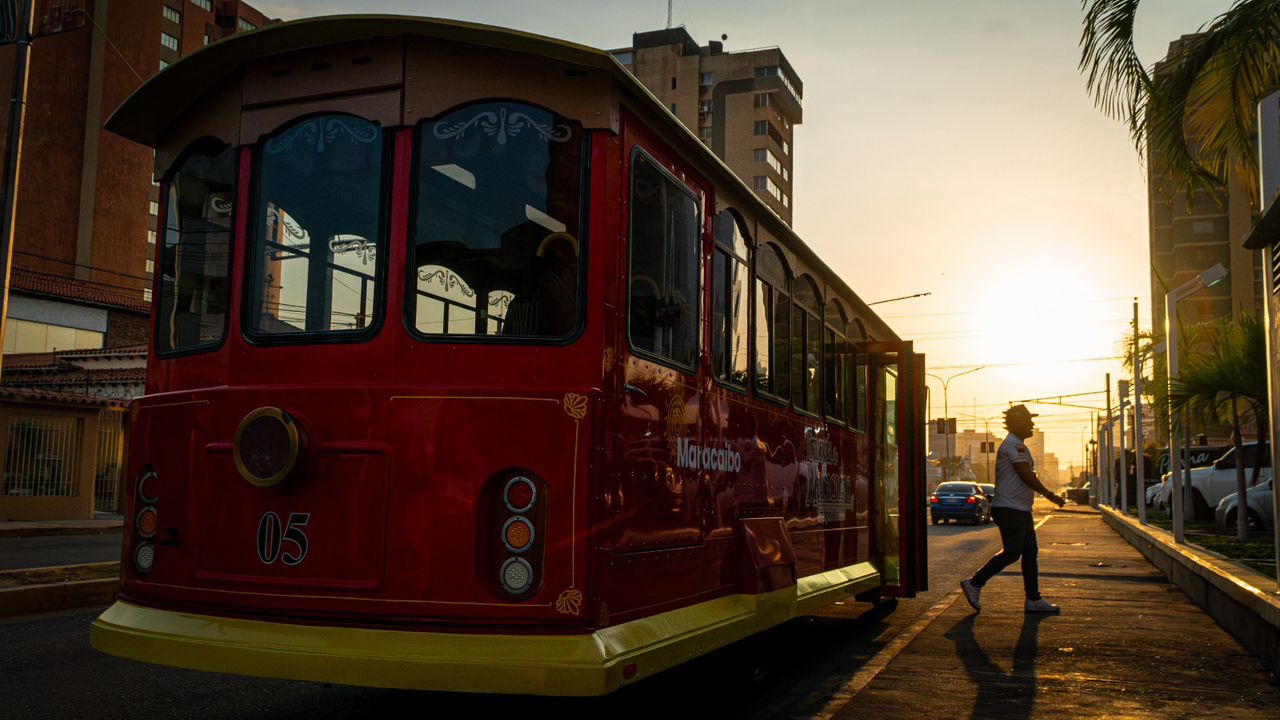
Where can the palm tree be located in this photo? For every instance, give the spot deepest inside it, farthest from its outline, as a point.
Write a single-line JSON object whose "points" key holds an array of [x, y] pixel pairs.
{"points": [[1228, 379], [1195, 113]]}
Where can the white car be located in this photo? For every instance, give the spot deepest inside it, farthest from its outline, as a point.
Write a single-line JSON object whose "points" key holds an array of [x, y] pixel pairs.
{"points": [[1261, 512], [1213, 482]]}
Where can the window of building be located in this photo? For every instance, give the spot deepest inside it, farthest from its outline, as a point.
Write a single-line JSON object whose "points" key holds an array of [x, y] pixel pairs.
{"points": [[146, 295], [151, 237], [704, 106], [707, 79], [171, 14], [206, 5], [786, 147], [206, 39], [163, 65], [663, 307], [730, 328], [760, 127], [245, 25], [170, 42], [673, 109], [705, 134], [806, 345], [765, 155], [763, 183], [626, 58], [498, 222], [786, 200], [27, 336], [761, 100], [151, 266], [317, 249], [154, 207], [786, 174], [673, 83], [195, 258], [775, 71]]}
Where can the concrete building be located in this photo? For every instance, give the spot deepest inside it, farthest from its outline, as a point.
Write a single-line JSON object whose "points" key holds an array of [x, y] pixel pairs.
{"points": [[86, 220], [76, 335], [1186, 240], [743, 104]]}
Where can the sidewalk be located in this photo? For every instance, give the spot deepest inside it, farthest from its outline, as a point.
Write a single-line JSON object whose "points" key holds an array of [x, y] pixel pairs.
{"points": [[1128, 644], [101, 523]]}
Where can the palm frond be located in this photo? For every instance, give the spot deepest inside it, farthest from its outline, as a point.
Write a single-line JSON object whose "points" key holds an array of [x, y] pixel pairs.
{"points": [[1115, 76]]}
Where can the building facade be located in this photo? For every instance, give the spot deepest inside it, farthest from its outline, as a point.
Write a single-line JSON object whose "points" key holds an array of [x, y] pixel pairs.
{"points": [[744, 105], [86, 223], [1187, 238]]}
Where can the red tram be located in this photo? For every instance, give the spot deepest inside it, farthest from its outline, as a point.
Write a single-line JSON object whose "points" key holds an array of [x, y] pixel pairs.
{"points": [[474, 369]]}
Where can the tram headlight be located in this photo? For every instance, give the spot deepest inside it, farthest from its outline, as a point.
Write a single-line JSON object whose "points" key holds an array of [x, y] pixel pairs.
{"points": [[144, 557], [267, 447]]}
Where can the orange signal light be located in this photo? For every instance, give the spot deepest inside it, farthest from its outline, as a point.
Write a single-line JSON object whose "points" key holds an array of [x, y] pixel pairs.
{"points": [[148, 521], [518, 534]]}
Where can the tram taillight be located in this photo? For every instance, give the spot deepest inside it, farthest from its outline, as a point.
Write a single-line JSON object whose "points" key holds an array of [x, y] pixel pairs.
{"points": [[146, 521], [515, 531], [268, 445]]}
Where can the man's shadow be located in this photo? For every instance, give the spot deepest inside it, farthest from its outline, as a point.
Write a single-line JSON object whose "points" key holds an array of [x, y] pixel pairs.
{"points": [[1000, 694]]}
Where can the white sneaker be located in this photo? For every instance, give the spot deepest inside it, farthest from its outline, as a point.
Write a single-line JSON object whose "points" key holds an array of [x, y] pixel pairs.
{"points": [[1042, 606], [971, 593]]}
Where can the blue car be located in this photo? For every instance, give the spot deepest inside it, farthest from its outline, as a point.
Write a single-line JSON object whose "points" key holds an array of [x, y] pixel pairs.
{"points": [[959, 500]]}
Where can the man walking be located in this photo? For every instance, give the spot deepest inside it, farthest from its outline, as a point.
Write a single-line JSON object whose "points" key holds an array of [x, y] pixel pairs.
{"points": [[1016, 486]]}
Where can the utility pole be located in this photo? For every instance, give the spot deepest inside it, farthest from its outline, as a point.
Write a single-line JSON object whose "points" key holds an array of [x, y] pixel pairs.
{"points": [[1139, 461], [13, 149], [1108, 439], [946, 411], [1124, 461]]}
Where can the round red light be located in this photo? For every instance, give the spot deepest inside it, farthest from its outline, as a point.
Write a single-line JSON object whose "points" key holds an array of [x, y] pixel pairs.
{"points": [[267, 446], [520, 494]]}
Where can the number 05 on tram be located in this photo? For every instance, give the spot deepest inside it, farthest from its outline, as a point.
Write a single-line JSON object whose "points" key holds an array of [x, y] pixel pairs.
{"points": [[473, 369]]}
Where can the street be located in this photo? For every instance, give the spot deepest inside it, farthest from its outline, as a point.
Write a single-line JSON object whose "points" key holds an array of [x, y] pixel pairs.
{"points": [[49, 670], [36, 552]]}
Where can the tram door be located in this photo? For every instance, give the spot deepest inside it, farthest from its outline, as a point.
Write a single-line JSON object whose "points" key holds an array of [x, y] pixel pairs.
{"points": [[898, 462]]}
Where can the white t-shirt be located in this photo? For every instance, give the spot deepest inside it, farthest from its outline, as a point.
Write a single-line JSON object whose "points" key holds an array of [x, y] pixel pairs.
{"points": [[1011, 492]]}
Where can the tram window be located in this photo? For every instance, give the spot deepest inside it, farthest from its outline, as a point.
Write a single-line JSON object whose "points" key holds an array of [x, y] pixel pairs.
{"points": [[318, 241], [194, 278], [806, 346], [772, 318], [495, 244], [837, 364], [729, 326], [860, 377], [663, 309]]}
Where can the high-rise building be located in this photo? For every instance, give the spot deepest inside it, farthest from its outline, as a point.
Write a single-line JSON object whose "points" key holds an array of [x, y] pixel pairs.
{"points": [[744, 105], [1188, 238], [87, 202]]}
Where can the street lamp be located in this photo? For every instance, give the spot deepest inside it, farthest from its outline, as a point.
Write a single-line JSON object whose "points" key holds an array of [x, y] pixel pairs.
{"points": [[946, 415], [1209, 277]]}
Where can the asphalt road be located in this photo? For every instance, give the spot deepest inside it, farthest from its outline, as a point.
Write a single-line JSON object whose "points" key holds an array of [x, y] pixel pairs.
{"points": [[36, 552], [48, 670]]}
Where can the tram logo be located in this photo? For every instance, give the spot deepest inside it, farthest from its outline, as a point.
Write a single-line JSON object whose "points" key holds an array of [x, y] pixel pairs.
{"points": [[693, 456]]}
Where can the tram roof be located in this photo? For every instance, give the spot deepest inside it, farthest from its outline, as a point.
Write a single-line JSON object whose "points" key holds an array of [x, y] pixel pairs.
{"points": [[167, 95]]}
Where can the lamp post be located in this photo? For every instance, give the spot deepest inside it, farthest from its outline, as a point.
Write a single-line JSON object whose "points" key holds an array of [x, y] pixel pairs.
{"points": [[946, 419], [1203, 280], [1138, 460]]}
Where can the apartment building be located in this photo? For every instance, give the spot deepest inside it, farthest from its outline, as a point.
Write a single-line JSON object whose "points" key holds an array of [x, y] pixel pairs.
{"points": [[87, 202], [743, 104], [1188, 238]]}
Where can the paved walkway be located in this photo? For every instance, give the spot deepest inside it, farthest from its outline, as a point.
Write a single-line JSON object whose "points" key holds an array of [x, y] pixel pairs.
{"points": [[1128, 644], [101, 523]]}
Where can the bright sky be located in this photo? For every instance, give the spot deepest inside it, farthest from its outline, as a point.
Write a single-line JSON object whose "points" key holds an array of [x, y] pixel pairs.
{"points": [[947, 147]]}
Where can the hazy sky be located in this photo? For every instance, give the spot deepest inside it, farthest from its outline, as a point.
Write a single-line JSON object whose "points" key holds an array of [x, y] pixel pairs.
{"points": [[947, 147]]}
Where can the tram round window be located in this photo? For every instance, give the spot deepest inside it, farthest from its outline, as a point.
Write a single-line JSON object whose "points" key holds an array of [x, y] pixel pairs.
{"points": [[318, 228], [497, 243]]}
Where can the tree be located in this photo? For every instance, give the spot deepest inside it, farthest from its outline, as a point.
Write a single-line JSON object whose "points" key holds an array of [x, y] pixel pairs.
{"points": [[1196, 115], [1226, 380]]}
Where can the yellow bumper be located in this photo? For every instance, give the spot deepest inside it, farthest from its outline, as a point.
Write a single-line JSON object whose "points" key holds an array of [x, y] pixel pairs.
{"points": [[588, 664]]}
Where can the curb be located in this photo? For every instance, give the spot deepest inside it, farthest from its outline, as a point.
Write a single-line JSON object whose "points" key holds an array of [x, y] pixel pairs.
{"points": [[50, 597], [1251, 614]]}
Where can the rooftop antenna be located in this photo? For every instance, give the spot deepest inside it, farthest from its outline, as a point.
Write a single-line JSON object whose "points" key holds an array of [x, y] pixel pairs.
{"points": [[669, 14]]}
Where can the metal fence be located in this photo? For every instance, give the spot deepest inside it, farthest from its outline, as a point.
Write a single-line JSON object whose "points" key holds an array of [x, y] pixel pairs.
{"points": [[43, 455], [111, 442]]}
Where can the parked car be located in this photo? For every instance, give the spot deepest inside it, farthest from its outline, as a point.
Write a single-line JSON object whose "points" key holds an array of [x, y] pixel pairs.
{"points": [[959, 500], [1209, 485], [988, 489], [1261, 515]]}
